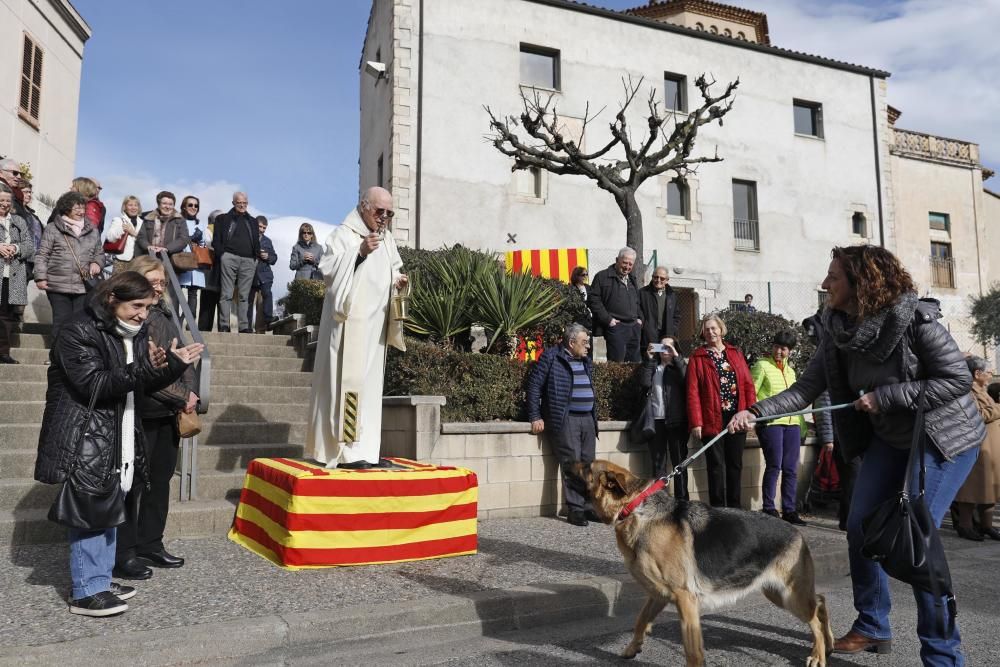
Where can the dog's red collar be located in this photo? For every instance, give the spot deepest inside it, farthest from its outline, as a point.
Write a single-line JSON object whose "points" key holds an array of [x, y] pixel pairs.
{"points": [[641, 498]]}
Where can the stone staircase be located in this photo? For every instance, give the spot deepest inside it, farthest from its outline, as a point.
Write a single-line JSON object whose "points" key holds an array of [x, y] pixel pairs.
{"points": [[259, 401]]}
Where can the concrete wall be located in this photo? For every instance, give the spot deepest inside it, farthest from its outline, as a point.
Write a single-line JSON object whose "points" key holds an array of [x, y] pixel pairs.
{"points": [[51, 148], [518, 475]]}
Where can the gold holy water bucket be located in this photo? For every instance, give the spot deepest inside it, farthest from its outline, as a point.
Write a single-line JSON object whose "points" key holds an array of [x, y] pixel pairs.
{"points": [[401, 303]]}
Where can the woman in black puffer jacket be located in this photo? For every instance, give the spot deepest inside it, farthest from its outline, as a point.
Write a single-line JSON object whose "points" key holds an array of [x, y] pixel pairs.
{"points": [[104, 346], [877, 339]]}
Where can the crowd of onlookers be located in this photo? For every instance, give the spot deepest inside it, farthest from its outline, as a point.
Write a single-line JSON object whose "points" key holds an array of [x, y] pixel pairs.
{"points": [[220, 259]]}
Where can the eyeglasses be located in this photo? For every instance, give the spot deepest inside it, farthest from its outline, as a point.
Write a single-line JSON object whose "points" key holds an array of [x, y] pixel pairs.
{"points": [[158, 283], [657, 279], [192, 206], [11, 171], [384, 213], [307, 233]]}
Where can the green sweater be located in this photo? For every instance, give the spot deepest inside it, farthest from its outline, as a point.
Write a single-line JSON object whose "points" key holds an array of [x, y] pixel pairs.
{"points": [[770, 380]]}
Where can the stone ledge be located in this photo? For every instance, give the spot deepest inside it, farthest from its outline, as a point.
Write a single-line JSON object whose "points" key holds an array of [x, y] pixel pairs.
{"points": [[395, 401]]}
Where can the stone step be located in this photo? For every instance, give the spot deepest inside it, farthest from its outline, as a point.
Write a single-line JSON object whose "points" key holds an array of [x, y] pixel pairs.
{"points": [[17, 392], [261, 364], [224, 357], [252, 340], [27, 412], [25, 435], [220, 378], [31, 341], [227, 458], [203, 518]]}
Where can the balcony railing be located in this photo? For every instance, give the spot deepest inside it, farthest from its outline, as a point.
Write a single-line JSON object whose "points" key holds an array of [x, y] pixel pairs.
{"points": [[747, 234], [942, 272]]}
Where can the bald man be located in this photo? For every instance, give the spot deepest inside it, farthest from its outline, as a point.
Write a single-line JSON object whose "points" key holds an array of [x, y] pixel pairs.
{"points": [[362, 268], [237, 246]]}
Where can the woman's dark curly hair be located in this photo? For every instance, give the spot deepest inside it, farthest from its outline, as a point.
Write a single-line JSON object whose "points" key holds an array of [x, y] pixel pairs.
{"points": [[877, 276]]}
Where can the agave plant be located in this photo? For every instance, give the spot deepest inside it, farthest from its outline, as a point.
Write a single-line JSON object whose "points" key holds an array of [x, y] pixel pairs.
{"points": [[510, 303], [441, 302]]}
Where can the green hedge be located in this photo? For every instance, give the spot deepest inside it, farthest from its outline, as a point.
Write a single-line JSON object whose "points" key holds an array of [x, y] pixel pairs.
{"points": [[486, 387], [752, 332], [305, 297]]}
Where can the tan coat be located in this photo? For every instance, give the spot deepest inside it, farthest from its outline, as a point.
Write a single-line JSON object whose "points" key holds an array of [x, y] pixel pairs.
{"points": [[982, 486]]}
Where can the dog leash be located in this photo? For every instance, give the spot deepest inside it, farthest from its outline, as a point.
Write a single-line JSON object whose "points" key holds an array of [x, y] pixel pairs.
{"points": [[661, 482]]}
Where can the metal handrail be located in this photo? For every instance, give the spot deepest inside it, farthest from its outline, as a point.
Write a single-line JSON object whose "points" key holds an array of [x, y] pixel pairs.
{"points": [[202, 372]]}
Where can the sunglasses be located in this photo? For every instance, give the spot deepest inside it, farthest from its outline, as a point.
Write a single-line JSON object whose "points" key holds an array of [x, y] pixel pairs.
{"points": [[15, 173], [384, 213], [192, 206]]}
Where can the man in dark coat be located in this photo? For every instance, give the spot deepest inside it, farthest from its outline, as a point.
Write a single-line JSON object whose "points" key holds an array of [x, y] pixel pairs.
{"points": [[658, 305], [560, 398], [614, 302], [262, 281], [236, 242]]}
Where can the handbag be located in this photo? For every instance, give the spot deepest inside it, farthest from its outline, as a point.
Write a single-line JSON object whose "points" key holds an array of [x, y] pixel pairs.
{"points": [[644, 426], [900, 533], [204, 256], [84, 502], [90, 282], [188, 424], [184, 261], [116, 247]]}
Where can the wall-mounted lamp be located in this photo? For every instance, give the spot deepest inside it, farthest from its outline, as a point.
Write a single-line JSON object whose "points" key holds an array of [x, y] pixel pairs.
{"points": [[375, 69]]}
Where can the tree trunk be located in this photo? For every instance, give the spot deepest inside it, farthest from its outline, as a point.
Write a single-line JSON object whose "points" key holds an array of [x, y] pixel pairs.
{"points": [[633, 232]]}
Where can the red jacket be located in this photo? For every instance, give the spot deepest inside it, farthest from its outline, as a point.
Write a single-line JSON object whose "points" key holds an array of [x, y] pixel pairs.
{"points": [[704, 404], [95, 213]]}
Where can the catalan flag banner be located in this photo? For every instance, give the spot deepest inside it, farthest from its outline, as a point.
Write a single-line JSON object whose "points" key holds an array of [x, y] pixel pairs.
{"points": [[557, 264], [301, 515]]}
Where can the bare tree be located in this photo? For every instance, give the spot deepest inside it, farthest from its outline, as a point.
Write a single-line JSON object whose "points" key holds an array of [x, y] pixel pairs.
{"points": [[621, 172]]}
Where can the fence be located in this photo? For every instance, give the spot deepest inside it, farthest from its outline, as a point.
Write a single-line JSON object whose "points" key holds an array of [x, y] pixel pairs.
{"points": [[792, 300]]}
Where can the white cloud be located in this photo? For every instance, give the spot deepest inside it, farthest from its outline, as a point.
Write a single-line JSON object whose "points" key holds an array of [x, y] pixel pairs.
{"points": [[943, 56]]}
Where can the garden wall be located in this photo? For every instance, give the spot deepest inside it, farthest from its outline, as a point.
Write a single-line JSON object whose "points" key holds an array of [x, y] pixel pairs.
{"points": [[518, 475]]}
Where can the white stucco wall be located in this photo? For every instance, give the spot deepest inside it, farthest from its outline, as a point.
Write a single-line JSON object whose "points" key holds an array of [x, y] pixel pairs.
{"points": [[807, 188], [51, 149]]}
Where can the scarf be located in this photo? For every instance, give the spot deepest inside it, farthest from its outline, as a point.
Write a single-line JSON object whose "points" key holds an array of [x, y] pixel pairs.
{"points": [[74, 226], [875, 336], [128, 333]]}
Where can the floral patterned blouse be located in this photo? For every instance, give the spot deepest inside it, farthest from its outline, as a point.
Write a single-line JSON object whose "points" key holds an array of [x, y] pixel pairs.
{"points": [[727, 380]]}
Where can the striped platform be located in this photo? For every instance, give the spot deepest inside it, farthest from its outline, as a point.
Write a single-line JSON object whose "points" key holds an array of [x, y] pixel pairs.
{"points": [[299, 515]]}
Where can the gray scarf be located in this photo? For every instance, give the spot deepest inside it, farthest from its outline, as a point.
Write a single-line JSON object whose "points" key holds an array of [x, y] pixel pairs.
{"points": [[875, 336]]}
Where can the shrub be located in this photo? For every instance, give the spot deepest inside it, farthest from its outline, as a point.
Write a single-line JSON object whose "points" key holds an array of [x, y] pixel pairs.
{"points": [[484, 387], [305, 297], [752, 332]]}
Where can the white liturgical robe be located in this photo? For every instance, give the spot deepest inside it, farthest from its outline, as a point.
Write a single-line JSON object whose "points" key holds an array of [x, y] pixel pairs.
{"points": [[355, 328]]}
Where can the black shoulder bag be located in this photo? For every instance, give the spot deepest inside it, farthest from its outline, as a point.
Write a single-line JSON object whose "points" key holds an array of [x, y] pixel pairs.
{"points": [[86, 502], [901, 536]]}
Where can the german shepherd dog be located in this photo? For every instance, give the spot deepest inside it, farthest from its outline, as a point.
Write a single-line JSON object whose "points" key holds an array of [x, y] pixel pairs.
{"points": [[701, 557]]}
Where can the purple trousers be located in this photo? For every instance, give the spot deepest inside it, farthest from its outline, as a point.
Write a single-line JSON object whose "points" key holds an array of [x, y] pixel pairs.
{"points": [[781, 445]]}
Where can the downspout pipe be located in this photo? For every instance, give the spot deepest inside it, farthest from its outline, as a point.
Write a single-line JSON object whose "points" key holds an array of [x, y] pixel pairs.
{"points": [[420, 125], [878, 163]]}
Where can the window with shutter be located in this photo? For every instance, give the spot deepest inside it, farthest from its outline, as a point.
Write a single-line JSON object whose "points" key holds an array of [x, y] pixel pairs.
{"points": [[31, 82]]}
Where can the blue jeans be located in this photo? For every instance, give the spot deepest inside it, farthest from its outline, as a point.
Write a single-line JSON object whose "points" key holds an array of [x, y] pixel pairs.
{"points": [[880, 478], [781, 444], [91, 559]]}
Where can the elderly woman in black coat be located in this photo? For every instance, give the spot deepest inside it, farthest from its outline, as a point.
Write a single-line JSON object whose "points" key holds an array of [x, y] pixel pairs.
{"points": [[104, 355], [879, 341]]}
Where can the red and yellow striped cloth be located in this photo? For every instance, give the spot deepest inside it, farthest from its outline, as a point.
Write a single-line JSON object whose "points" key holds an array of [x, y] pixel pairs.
{"points": [[557, 263], [300, 515]]}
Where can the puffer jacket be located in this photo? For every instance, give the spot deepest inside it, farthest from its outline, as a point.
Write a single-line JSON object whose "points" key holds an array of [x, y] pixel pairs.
{"points": [[55, 262], [549, 388], [175, 234], [88, 349], [169, 400], [927, 353]]}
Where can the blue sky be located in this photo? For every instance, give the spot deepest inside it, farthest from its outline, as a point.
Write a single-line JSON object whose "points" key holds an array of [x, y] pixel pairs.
{"points": [[204, 97]]}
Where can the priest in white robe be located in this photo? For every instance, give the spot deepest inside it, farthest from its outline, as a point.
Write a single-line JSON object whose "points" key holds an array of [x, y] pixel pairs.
{"points": [[362, 268]]}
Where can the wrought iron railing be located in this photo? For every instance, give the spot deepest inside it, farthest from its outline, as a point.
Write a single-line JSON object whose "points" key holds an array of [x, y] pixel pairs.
{"points": [[942, 272], [746, 232], [186, 324]]}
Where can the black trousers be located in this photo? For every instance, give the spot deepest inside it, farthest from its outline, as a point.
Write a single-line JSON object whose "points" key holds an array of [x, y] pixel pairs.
{"points": [[848, 472], [623, 341], [670, 441], [266, 309], [207, 312], [143, 532], [9, 316], [576, 441], [64, 307], [725, 467]]}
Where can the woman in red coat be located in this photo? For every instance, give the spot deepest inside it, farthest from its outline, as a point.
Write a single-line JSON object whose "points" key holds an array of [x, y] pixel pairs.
{"points": [[718, 386]]}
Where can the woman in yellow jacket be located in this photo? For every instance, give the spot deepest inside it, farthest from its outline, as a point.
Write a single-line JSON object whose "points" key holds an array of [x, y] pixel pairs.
{"points": [[780, 439]]}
